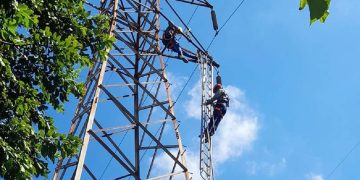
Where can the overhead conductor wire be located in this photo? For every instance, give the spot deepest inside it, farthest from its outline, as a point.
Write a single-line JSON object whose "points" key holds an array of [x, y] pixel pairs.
{"points": [[227, 20], [167, 59], [193, 72], [342, 161], [191, 17], [112, 157]]}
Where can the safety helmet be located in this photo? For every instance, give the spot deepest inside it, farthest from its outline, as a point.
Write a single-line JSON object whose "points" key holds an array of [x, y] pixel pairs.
{"points": [[217, 87], [180, 29]]}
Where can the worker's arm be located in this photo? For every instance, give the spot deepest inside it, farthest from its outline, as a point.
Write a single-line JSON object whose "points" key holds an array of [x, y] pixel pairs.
{"points": [[216, 96]]}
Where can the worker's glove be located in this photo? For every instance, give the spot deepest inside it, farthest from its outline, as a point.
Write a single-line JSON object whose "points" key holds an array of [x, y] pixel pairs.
{"points": [[179, 30]]}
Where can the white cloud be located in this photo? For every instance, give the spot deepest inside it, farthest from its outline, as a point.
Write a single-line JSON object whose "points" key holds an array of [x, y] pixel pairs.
{"points": [[267, 168], [313, 176], [237, 131], [163, 165], [177, 82], [193, 105], [235, 135], [192, 160]]}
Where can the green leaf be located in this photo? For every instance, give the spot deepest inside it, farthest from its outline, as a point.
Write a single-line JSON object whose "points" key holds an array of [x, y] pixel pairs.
{"points": [[42, 133], [47, 31], [37, 37], [26, 22], [302, 4], [319, 9], [22, 169], [12, 26], [20, 109], [50, 132], [2, 62], [63, 37]]}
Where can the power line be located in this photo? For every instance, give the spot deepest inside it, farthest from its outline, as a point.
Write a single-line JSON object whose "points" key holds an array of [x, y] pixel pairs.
{"points": [[227, 20], [166, 64], [187, 82], [186, 26], [112, 157], [193, 72], [192, 15], [342, 161], [182, 90], [237, 8]]}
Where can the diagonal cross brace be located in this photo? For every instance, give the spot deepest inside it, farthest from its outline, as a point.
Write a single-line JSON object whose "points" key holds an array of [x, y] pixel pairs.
{"points": [[132, 119]]}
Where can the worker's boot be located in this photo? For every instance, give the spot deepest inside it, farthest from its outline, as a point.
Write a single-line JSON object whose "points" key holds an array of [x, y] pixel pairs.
{"points": [[184, 59], [181, 56]]}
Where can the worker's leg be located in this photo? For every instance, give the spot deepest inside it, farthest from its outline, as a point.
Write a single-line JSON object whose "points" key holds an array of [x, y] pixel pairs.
{"points": [[166, 43], [188, 53], [176, 48], [217, 120], [219, 112], [194, 60], [183, 52], [223, 110]]}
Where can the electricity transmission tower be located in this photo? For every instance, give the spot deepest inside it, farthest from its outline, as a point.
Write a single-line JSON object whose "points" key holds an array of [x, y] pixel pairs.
{"points": [[126, 119]]}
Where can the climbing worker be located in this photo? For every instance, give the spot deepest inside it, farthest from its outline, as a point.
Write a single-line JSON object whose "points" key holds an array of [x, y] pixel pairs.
{"points": [[170, 42], [220, 101]]}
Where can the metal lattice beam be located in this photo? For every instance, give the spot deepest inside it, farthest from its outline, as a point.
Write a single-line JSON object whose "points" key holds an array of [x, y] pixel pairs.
{"points": [[197, 2], [206, 167], [123, 93]]}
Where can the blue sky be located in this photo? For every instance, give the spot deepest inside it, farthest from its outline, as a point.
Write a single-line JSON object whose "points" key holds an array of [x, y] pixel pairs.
{"points": [[295, 88]]}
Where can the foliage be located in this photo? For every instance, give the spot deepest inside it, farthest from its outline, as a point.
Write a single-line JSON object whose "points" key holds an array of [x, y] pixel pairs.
{"points": [[42, 45], [319, 9]]}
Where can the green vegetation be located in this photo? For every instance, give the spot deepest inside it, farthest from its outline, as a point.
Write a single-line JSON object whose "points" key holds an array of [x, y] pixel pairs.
{"points": [[42, 45], [319, 9]]}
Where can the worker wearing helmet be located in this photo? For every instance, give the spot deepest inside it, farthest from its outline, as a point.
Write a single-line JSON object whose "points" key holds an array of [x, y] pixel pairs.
{"points": [[170, 42], [220, 101]]}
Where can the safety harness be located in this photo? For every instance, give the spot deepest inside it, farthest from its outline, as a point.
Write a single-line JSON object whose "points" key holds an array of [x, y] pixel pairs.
{"points": [[168, 38], [224, 100]]}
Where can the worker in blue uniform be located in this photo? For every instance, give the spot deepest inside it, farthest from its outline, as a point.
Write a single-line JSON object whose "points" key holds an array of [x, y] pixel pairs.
{"points": [[170, 42]]}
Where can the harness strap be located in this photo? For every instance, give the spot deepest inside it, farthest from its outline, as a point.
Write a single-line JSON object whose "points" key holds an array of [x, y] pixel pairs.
{"points": [[219, 110], [169, 42]]}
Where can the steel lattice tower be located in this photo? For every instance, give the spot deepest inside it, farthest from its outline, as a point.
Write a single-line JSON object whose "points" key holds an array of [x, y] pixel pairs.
{"points": [[127, 106], [206, 167]]}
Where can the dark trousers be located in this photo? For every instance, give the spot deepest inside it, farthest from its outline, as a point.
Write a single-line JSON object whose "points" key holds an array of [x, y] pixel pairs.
{"points": [[175, 46], [219, 112]]}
